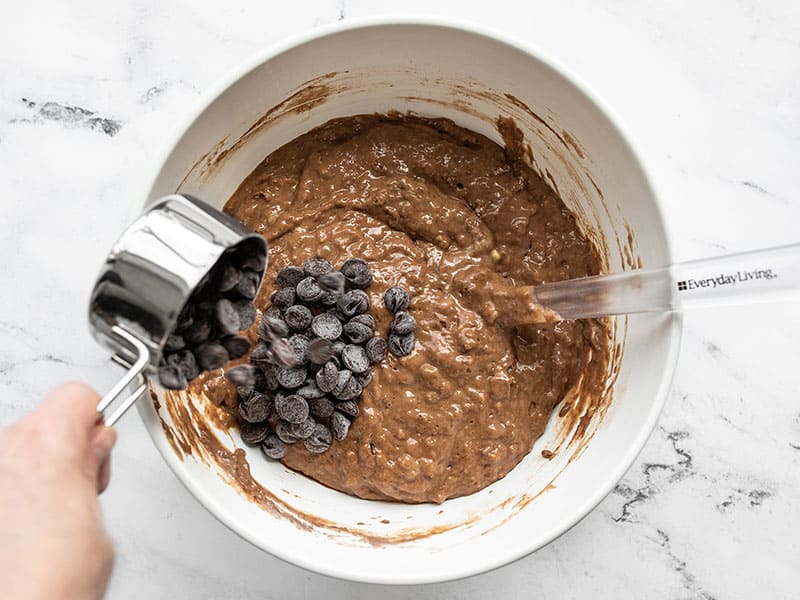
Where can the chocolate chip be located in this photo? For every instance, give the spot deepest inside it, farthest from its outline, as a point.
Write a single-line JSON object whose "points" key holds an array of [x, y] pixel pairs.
{"points": [[319, 351], [254, 261], [308, 290], [347, 387], [292, 408], [273, 312], [314, 267], [396, 299], [327, 377], [376, 349], [242, 375], [310, 390], [364, 378], [273, 417], [365, 319], [403, 323], [261, 353], [272, 327], [248, 284], [199, 331], [174, 342], [186, 362], [326, 326], [229, 276], [401, 345], [227, 317], [292, 377], [349, 408], [333, 310], [247, 313], [299, 345], [353, 302], [254, 433], [321, 408], [236, 345], [289, 277], [340, 425], [269, 374], [355, 358], [282, 353], [185, 318], [333, 283], [298, 317], [205, 308], [273, 447], [319, 440], [171, 378], [303, 429], [284, 433], [255, 408], [284, 298], [358, 333], [357, 273], [328, 298], [211, 355]]}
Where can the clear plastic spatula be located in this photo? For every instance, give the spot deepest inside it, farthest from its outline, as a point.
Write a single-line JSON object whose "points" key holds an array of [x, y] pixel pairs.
{"points": [[764, 275]]}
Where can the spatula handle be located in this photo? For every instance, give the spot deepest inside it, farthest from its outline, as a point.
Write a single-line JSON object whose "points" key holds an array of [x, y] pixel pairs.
{"points": [[764, 275]]}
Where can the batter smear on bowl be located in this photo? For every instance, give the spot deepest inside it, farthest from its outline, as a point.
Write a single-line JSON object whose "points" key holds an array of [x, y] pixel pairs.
{"points": [[455, 220]]}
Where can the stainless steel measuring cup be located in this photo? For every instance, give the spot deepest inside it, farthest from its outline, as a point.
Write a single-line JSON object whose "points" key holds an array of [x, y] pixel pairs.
{"points": [[150, 273]]}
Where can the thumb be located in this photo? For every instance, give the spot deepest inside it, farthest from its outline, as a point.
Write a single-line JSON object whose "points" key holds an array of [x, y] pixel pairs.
{"points": [[70, 412], [100, 461]]}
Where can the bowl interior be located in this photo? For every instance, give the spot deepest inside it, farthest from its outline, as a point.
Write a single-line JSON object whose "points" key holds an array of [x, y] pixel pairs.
{"points": [[471, 78]]}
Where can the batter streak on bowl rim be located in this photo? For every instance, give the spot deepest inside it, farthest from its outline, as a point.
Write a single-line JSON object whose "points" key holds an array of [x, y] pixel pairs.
{"points": [[454, 218]]}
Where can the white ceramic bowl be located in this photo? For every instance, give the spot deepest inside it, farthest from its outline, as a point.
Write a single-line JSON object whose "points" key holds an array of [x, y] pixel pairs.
{"points": [[471, 76]]}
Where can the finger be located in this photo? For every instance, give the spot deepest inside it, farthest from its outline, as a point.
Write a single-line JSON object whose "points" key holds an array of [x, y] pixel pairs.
{"points": [[72, 405], [100, 463], [104, 476]]}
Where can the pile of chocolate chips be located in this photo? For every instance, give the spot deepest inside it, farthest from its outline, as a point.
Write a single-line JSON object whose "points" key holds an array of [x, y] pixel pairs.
{"points": [[206, 336], [314, 357]]}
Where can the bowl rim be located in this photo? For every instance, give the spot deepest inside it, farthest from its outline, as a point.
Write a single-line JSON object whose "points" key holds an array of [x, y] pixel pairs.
{"points": [[675, 329]]}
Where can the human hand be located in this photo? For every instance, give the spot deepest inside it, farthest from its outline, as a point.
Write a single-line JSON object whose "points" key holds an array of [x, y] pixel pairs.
{"points": [[53, 463]]}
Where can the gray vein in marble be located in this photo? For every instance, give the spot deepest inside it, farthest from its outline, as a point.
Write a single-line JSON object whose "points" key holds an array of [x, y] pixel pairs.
{"points": [[753, 187], [70, 116], [677, 471], [690, 583], [725, 361], [733, 425], [797, 421], [756, 187], [753, 498], [714, 350], [45, 358], [49, 358], [7, 327], [152, 93]]}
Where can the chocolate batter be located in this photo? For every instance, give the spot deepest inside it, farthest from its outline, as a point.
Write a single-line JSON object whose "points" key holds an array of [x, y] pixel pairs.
{"points": [[456, 220]]}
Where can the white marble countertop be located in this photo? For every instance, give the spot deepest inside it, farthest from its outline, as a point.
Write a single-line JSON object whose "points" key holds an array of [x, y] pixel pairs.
{"points": [[710, 89]]}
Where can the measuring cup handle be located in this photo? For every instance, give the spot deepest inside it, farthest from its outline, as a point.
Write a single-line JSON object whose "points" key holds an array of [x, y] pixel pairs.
{"points": [[114, 404]]}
